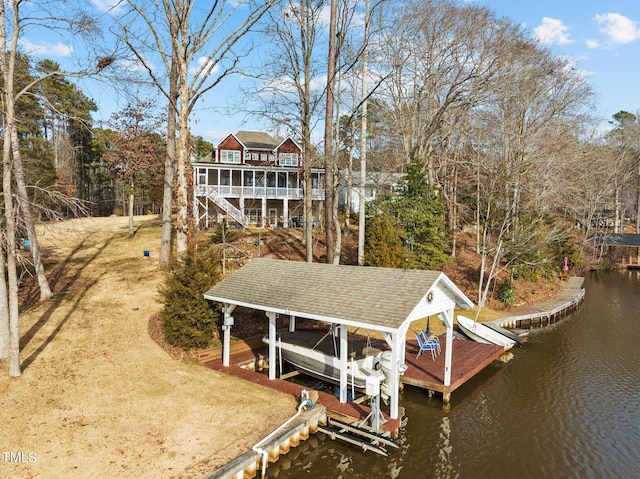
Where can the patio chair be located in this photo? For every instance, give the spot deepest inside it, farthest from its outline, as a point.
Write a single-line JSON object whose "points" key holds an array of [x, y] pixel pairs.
{"points": [[432, 338], [426, 346]]}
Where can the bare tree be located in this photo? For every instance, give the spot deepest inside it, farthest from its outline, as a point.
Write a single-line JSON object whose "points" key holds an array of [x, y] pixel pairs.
{"points": [[9, 296], [330, 228], [47, 15], [175, 33], [136, 149], [363, 136], [289, 93], [521, 132], [443, 58], [624, 139]]}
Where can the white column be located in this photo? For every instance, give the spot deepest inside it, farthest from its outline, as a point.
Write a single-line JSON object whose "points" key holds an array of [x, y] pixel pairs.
{"points": [[396, 343], [447, 319], [344, 357], [227, 322], [292, 323], [285, 211], [272, 345], [395, 377], [264, 211], [242, 207]]}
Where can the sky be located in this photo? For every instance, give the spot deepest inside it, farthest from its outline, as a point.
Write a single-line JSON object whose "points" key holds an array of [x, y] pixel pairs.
{"points": [[601, 38]]}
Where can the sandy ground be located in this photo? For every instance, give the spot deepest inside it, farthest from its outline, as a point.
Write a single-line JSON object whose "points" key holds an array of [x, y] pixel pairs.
{"points": [[99, 398]]}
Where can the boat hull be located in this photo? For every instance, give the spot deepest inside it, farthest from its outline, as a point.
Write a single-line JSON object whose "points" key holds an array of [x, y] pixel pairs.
{"points": [[302, 350], [483, 334]]}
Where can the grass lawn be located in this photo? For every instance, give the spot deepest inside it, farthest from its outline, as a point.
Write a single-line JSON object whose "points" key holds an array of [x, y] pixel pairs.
{"points": [[98, 397]]}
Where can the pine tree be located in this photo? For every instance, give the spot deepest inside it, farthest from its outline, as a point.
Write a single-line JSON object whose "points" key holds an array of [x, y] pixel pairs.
{"points": [[421, 214], [188, 320], [408, 229], [382, 237]]}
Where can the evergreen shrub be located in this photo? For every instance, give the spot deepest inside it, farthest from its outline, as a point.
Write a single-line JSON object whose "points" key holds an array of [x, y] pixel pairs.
{"points": [[188, 320], [507, 294]]}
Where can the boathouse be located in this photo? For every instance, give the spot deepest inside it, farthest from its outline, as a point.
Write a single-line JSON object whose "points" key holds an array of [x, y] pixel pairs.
{"points": [[386, 300]]}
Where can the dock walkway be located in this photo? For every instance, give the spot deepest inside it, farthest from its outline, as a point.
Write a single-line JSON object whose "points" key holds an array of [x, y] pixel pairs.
{"points": [[547, 312]]}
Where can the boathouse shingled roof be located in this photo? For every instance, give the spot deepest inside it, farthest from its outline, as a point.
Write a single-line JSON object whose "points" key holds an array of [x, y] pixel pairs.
{"points": [[382, 297]]}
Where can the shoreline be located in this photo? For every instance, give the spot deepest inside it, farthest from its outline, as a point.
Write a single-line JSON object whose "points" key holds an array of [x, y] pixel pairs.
{"points": [[98, 396]]}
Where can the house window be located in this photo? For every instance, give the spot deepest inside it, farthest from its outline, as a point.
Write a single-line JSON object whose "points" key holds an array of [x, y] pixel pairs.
{"points": [[202, 176], [229, 156], [248, 178], [264, 156], [213, 177], [254, 156], [288, 159]]}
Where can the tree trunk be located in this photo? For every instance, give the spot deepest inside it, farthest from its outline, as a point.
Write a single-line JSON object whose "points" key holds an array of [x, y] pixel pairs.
{"points": [[10, 232], [8, 70], [4, 305], [4, 298], [347, 202], [338, 230], [453, 210], [25, 206], [329, 223], [4, 313], [182, 166], [363, 140], [308, 214], [131, 200], [169, 164]]}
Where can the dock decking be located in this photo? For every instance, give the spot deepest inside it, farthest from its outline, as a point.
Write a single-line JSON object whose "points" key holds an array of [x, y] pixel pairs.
{"points": [[469, 358]]}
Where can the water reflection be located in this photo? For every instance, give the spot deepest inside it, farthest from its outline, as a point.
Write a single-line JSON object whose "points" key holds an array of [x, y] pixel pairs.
{"points": [[444, 470], [567, 405]]}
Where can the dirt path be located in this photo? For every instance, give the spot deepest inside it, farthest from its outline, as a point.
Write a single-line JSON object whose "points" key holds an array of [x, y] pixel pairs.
{"points": [[98, 398]]}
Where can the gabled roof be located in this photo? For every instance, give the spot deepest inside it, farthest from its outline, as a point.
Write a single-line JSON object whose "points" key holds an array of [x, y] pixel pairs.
{"points": [[382, 298], [292, 141], [621, 239], [256, 140]]}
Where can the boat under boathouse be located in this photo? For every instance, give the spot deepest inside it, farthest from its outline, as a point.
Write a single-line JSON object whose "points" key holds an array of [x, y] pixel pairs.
{"points": [[386, 300]]}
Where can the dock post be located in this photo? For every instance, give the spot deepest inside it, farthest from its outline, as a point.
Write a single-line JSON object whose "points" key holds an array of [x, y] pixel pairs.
{"points": [[272, 344]]}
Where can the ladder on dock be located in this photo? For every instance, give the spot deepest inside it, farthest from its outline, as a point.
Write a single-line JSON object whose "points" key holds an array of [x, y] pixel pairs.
{"points": [[359, 435]]}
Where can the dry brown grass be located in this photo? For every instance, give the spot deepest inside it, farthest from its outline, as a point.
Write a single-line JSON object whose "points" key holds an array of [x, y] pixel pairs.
{"points": [[98, 397]]}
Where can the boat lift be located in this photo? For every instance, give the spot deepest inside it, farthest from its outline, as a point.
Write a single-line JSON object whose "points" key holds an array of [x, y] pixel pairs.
{"points": [[368, 437]]}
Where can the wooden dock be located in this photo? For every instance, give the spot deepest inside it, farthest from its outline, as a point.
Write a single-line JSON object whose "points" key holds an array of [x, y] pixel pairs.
{"points": [[468, 359], [346, 412], [547, 312]]}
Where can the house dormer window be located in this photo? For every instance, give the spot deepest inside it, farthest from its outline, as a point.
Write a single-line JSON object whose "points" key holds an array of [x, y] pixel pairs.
{"points": [[288, 159], [229, 156]]}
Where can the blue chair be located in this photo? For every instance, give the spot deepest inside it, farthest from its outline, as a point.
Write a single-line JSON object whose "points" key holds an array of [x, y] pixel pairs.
{"points": [[426, 346], [432, 339]]}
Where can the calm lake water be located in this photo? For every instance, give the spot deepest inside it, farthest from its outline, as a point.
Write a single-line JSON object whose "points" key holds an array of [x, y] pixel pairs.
{"points": [[566, 406]]}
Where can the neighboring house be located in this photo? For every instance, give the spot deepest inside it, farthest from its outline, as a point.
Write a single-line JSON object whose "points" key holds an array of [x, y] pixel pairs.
{"points": [[253, 179], [376, 183]]}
